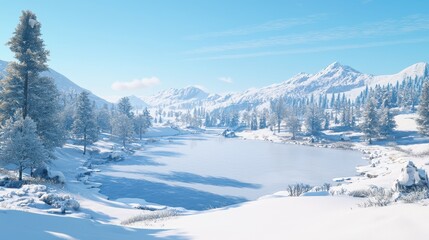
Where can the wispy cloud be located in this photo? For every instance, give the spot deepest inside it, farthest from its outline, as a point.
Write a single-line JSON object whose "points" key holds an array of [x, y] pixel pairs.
{"points": [[413, 23], [274, 25], [226, 80], [313, 50], [136, 84]]}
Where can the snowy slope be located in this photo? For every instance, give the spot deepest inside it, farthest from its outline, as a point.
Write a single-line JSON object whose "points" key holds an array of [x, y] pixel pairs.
{"points": [[63, 83], [189, 96], [418, 70], [137, 103]]}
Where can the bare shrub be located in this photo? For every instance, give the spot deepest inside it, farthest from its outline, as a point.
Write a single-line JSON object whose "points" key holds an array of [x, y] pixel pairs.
{"points": [[378, 197], [360, 193], [298, 189]]}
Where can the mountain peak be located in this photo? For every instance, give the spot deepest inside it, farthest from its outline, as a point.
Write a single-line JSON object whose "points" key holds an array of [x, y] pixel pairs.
{"points": [[418, 69], [337, 67], [334, 65]]}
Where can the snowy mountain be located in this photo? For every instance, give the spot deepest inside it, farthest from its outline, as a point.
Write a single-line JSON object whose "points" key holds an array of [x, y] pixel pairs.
{"points": [[137, 103], [335, 78], [178, 98], [63, 83]]}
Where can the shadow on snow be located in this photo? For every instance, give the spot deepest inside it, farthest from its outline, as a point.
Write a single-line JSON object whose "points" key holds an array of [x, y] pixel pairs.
{"points": [[207, 180], [164, 194]]}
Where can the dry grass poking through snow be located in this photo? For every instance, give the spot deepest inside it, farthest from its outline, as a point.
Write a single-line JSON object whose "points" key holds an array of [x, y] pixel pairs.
{"points": [[151, 217]]}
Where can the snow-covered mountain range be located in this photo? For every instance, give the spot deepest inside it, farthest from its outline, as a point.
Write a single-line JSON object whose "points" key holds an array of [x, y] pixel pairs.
{"points": [[63, 83], [335, 78]]}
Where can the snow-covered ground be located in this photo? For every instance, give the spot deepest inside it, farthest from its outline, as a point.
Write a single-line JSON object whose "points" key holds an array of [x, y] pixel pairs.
{"points": [[272, 217]]}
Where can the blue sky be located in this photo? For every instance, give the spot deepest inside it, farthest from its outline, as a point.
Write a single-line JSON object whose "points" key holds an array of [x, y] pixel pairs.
{"points": [[109, 47]]}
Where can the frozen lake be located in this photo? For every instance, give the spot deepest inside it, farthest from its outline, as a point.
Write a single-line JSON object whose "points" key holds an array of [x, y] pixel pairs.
{"points": [[205, 171]]}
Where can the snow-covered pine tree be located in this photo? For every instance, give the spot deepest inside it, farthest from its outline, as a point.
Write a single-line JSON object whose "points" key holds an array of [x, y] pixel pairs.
{"points": [[369, 125], [263, 119], [124, 107], [293, 124], [122, 127], [103, 119], [235, 119], [20, 145], [278, 111], [29, 50], [423, 111], [326, 122], [84, 126], [254, 122], [207, 120], [23, 88], [386, 122], [313, 119], [142, 122]]}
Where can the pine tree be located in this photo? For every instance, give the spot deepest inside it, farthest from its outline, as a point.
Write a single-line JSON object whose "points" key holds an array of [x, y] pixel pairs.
{"points": [[143, 122], [278, 110], [124, 107], [370, 123], [263, 120], [23, 88], [313, 119], [208, 121], [103, 119], [254, 122], [234, 120], [122, 127], [386, 122], [84, 126], [20, 145], [423, 111], [29, 50], [293, 124]]}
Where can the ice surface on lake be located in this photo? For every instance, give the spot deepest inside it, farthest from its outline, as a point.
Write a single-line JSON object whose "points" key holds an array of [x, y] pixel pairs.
{"points": [[203, 171]]}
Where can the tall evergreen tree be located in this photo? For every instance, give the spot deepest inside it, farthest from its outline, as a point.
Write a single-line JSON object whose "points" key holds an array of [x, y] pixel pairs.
{"points": [[293, 124], [386, 122], [124, 107], [142, 122], [23, 88], [103, 119], [278, 111], [254, 122], [84, 126], [234, 121], [31, 55], [370, 123], [423, 111], [313, 119], [263, 120], [122, 127]]}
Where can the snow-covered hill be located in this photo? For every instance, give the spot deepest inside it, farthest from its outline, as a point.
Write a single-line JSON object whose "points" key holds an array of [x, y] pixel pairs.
{"points": [[178, 98], [63, 83], [137, 103], [335, 78]]}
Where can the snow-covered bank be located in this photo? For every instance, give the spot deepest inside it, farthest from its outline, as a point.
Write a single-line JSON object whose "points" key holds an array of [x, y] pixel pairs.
{"points": [[304, 218]]}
